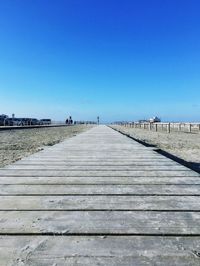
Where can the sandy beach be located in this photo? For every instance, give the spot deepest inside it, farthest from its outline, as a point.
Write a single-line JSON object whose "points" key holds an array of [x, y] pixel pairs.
{"points": [[185, 146], [16, 144]]}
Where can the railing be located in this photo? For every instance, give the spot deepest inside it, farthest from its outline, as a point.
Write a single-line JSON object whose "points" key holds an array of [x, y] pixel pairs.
{"points": [[168, 127]]}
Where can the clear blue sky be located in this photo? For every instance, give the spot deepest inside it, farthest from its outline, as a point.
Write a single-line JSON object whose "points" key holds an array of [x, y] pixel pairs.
{"points": [[119, 59]]}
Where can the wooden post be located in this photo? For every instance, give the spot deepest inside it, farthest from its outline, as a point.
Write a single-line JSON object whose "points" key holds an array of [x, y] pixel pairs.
{"points": [[179, 127], [199, 127], [156, 127], [168, 127], [149, 126], [190, 128]]}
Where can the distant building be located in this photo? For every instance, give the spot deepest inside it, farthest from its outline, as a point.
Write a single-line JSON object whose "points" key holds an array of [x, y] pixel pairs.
{"points": [[154, 119]]}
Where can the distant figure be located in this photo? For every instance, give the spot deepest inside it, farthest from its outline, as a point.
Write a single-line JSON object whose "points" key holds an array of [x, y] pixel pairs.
{"points": [[67, 121], [70, 120]]}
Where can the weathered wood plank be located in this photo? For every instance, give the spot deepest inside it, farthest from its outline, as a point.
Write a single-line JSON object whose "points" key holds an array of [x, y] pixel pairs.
{"points": [[100, 189], [94, 163], [97, 157], [96, 168], [65, 180], [99, 250], [101, 173], [100, 203], [100, 222], [95, 160]]}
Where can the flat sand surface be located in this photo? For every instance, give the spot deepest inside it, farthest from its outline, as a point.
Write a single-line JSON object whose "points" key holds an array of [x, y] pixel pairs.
{"points": [[16, 144], [181, 144]]}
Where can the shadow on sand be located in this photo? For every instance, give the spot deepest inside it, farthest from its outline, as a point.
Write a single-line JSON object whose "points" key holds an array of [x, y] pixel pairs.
{"points": [[192, 165]]}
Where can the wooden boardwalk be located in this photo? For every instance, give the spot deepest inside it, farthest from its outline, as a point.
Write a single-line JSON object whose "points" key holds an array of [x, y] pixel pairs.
{"points": [[99, 198]]}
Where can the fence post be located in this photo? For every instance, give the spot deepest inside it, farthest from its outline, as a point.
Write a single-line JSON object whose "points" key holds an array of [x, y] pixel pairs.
{"points": [[149, 126], [156, 127], [190, 128], [179, 127], [168, 127]]}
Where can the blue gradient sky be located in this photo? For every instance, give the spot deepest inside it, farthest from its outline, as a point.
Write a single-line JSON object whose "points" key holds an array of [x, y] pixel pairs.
{"points": [[119, 59]]}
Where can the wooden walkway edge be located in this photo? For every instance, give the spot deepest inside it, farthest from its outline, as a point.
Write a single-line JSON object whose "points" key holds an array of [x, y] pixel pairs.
{"points": [[99, 198]]}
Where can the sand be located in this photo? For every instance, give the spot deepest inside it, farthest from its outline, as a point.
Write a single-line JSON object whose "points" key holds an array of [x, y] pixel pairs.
{"points": [[16, 144]]}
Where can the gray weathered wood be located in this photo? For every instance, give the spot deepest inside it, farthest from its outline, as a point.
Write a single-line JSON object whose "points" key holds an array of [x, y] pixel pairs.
{"points": [[64, 180], [101, 173], [98, 168], [100, 222], [94, 202], [100, 189], [99, 250]]}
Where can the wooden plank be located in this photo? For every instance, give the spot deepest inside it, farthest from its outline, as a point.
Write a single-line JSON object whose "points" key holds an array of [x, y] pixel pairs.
{"points": [[96, 157], [96, 168], [100, 173], [100, 222], [99, 250], [100, 189], [93, 180], [100, 203], [95, 163], [93, 159], [93, 152]]}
